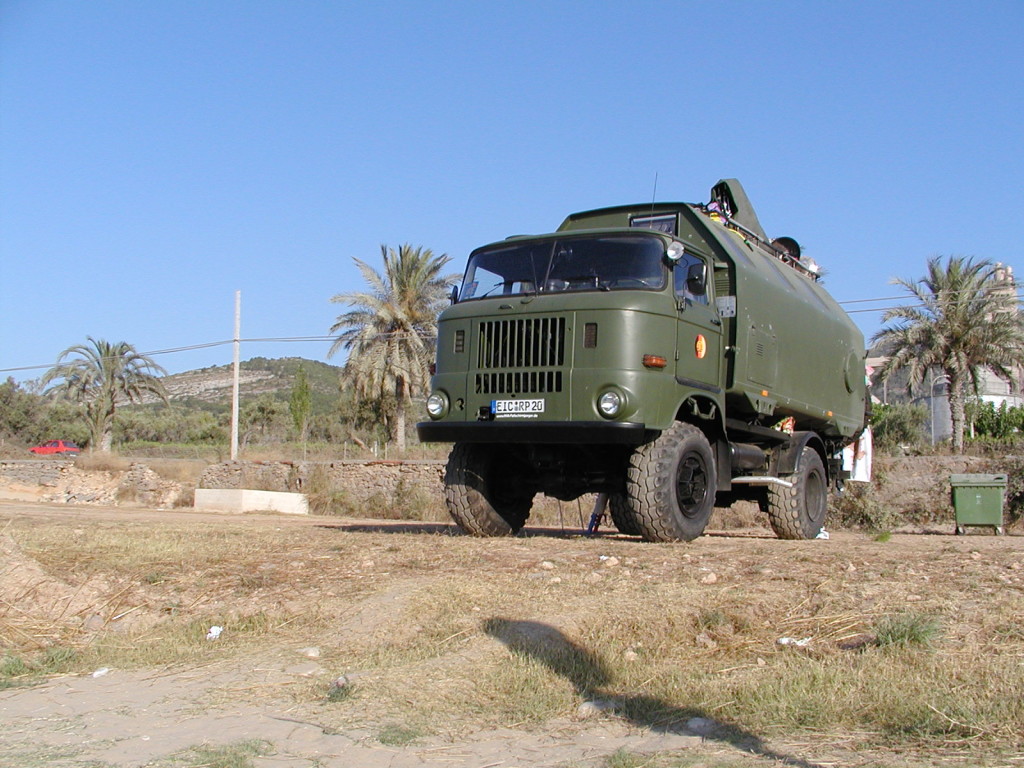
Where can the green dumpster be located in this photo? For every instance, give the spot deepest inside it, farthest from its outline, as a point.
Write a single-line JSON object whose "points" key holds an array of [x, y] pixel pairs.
{"points": [[978, 500]]}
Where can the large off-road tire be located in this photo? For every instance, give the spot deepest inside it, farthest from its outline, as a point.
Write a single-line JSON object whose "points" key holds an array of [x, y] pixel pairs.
{"points": [[482, 492], [799, 512], [622, 514], [671, 485]]}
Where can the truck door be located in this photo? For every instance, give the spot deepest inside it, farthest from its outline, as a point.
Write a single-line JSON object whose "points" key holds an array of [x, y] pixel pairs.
{"points": [[699, 330]]}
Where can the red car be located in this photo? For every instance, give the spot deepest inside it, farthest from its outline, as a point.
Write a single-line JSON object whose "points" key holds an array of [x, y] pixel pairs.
{"points": [[56, 448]]}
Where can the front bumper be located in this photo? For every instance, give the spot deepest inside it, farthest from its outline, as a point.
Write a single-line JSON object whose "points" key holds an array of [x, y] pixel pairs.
{"points": [[551, 433]]}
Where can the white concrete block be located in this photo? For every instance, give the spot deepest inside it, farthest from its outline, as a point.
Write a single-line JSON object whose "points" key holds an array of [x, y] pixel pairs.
{"points": [[242, 500]]}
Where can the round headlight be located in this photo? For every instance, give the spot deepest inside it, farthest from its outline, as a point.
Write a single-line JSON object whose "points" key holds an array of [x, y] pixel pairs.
{"points": [[609, 404], [437, 405]]}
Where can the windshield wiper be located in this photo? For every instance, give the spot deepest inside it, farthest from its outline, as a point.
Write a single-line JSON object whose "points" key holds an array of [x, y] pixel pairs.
{"points": [[499, 284]]}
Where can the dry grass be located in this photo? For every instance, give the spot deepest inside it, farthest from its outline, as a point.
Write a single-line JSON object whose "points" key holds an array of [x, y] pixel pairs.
{"points": [[185, 471], [447, 634]]}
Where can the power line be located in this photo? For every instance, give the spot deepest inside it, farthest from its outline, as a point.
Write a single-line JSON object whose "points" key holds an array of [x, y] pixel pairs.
{"points": [[1019, 294], [209, 344], [896, 306]]}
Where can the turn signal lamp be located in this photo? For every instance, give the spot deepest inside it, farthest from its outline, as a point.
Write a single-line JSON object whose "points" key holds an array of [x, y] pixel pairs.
{"points": [[655, 361]]}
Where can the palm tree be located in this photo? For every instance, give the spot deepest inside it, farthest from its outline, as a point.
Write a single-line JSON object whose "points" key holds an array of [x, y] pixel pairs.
{"points": [[102, 375], [391, 329], [965, 321]]}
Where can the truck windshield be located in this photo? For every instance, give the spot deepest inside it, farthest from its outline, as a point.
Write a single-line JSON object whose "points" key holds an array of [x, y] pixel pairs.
{"points": [[581, 263]]}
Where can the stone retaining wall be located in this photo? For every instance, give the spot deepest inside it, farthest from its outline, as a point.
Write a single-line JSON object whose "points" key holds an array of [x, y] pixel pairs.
{"points": [[359, 480], [43, 472], [59, 480]]}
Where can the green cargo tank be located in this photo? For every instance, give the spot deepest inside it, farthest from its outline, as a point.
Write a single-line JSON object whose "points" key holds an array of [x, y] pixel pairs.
{"points": [[667, 356]]}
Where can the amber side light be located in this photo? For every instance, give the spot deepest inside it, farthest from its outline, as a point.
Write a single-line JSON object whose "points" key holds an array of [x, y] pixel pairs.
{"points": [[655, 361]]}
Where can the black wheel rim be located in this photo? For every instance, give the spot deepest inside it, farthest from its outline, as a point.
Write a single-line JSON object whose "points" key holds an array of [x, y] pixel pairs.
{"points": [[815, 497], [691, 484]]}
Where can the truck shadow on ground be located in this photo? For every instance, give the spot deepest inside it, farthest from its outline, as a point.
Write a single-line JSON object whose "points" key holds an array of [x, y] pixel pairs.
{"points": [[450, 529], [591, 679]]}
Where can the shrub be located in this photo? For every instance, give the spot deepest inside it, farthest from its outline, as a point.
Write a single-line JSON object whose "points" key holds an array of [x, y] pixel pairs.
{"points": [[988, 421], [859, 507], [905, 630], [898, 424], [323, 496], [1014, 501]]}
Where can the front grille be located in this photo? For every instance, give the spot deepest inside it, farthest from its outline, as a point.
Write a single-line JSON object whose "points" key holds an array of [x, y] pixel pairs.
{"points": [[519, 383], [536, 342], [528, 343]]}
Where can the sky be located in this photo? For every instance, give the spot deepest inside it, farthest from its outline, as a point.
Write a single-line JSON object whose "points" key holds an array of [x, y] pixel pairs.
{"points": [[155, 158]]}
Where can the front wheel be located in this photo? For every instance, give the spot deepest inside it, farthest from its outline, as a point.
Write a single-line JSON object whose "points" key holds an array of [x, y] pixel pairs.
{"points": [[622, 514], [484, 493], [671, 485], [799, 512]]}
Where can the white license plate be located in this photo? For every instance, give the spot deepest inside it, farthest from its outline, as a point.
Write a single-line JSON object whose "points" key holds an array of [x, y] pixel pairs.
{"points": [[517, 407]]}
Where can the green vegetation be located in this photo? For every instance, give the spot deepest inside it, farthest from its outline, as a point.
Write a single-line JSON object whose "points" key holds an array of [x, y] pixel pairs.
{"points": [[988, 423], [18, 669], [964, 319], [898, 425], [30, 418], [622, 758], [196, 421], [864, 506], [391, 329], [907, 630], [398, 735], [300, 405], [241, 754], [99, 375]]}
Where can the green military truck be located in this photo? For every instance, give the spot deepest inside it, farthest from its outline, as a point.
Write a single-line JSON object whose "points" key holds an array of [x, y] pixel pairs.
{"points": [[668, 356]]}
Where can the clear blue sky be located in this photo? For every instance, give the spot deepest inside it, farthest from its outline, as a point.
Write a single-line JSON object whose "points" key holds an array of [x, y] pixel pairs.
{"points": [[155, 157]]}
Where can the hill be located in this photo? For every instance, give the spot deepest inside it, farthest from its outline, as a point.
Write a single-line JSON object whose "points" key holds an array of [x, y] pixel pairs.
{"points": [[210, 388]]}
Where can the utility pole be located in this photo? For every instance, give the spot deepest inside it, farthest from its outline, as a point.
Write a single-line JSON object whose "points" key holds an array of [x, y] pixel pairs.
{"points": [[234, 383]]}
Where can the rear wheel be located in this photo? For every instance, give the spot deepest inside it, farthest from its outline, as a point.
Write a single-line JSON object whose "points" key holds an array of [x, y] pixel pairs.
{"points": [[484, 493], [799, 512], [671, 485]]}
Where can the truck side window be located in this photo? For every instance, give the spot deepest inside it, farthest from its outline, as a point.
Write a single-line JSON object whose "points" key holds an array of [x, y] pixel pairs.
{"points": [[686, 271]]}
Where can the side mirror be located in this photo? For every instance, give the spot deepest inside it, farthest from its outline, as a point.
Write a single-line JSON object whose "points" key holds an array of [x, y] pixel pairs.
{"points": [[455, 294], [697, 279]]}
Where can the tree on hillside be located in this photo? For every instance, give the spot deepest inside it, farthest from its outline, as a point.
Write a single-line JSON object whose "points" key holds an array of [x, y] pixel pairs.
{"points": [[300, 405], [101, 375], [391, 329], [20, 410], [964, 320], [264, 418]]}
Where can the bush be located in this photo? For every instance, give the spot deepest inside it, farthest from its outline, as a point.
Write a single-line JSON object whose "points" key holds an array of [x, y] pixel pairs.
{"points": [[906, 630], [897, 425], [1014, 500], [990, 422], [323, 496], [859, 507]]}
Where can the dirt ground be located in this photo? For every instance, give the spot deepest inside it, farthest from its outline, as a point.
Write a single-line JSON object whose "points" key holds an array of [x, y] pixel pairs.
{"points": [[361, 574]]}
